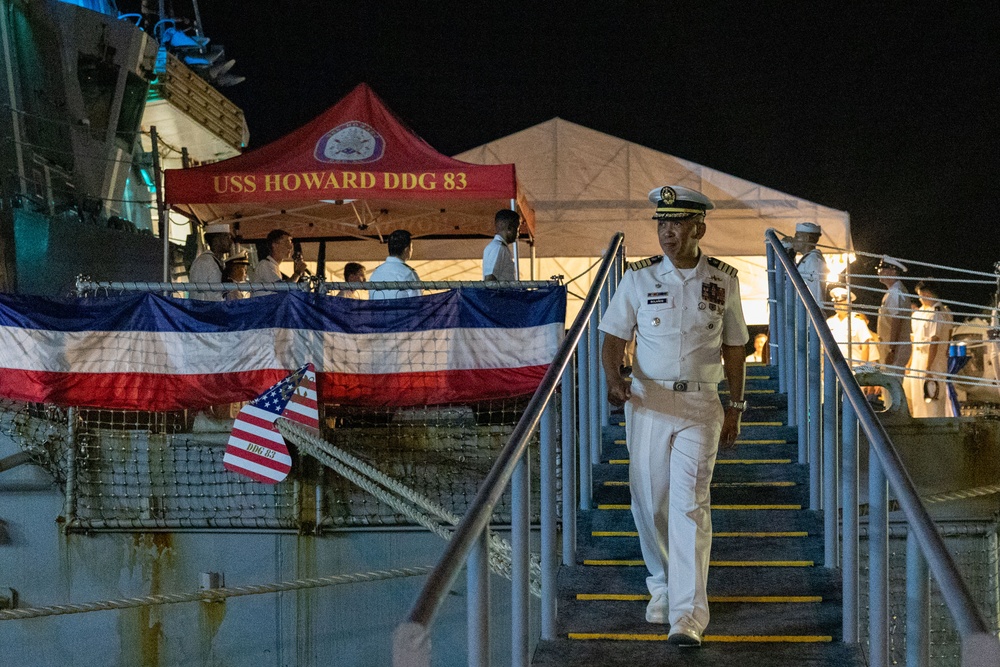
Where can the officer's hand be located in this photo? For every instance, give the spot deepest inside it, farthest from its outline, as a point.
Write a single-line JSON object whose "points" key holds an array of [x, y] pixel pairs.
{"points": [[619, 391], [730, 429], [300, 266]]}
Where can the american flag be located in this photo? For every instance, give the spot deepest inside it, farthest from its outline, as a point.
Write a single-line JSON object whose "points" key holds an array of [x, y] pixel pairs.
{"points": [[256, 448], [302, 407]]}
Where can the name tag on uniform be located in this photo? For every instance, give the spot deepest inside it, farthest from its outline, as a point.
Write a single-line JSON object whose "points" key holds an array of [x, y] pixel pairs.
{"points": [[653, 298]]}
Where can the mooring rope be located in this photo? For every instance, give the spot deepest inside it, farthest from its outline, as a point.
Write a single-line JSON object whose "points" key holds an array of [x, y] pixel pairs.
{"points": [[213, 594], [368, 478], [946, 496]]}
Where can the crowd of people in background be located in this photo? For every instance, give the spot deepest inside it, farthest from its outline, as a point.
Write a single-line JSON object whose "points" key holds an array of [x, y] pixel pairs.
{"points": [[221, 261], [910, 338], [912, 331]]}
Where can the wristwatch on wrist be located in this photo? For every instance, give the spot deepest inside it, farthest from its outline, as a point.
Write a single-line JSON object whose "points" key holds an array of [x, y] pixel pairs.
{"points": [[738, 405]]}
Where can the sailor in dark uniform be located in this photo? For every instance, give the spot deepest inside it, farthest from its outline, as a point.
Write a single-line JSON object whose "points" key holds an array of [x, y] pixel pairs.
{"points": [[683, 309]]}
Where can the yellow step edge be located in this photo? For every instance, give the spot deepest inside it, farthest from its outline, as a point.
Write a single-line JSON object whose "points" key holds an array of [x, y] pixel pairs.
{"points": [[753, 391], [721, 485], [635, 533], [624, 636], [757, 507], [636, 562], [777, 533], [640, 597], [615, 506], [739, 442], [732, 485], [625, 462], [745, 423]]}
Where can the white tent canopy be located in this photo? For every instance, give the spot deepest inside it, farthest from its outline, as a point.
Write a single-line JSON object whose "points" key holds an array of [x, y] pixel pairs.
{"points": [[585, 185]]}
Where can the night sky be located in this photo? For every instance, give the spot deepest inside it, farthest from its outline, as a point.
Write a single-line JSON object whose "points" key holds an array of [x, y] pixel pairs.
{"points": [[889, 114]]}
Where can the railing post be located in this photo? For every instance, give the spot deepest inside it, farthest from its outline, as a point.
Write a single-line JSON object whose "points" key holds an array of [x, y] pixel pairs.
{"points": [[878, 563], [801, 380], [788, 356], [780, 329], [594, 413], [773, 338], [917, 601], [520, 548], [605, 407], [72, 447], [568, 454], [549, 543], [831, 524], [477, 613], [849, 499], [815, 422], [583, 390]]}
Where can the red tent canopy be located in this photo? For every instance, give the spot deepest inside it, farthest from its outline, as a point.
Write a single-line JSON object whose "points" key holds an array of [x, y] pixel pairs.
{"points": [[354, 172]]}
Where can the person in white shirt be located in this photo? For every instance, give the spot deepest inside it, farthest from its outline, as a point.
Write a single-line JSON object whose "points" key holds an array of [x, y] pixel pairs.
{"points": [[893, 324], [498, 263], [279, 247], [207, 267], [852, 334], [236, 272], [353, 273], [395, 268], [683, 310], [930, 327], [811, 265]]}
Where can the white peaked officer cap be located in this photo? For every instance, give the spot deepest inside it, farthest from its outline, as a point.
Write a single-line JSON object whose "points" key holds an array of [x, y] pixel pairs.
{"points": [[218, 228], [674, 201], [890, 261], [840, 294], [808, 228]]}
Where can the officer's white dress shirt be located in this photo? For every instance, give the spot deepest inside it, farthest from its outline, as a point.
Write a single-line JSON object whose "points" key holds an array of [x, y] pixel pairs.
{"points": [[498, 260], [393, 270]]}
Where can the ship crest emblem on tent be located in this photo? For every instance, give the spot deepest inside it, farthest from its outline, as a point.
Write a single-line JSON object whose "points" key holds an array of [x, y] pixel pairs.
{"points": [[352, 141]]}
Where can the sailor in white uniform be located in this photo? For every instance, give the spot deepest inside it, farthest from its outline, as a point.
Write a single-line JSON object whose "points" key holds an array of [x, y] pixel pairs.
{"points": [[395, 268], [811, 265], [207, 267], [683, 309]]}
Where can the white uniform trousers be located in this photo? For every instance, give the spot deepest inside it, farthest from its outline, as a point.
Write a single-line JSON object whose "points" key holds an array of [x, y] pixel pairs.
{"points": [[673, 439]]}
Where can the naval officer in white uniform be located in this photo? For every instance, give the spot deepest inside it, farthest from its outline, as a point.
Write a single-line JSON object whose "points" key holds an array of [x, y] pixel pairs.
{"points": [[684, 311], [811, 265]]}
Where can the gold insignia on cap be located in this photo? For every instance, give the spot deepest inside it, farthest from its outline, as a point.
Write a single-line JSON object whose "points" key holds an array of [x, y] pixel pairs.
{"points": [[667, 195]]}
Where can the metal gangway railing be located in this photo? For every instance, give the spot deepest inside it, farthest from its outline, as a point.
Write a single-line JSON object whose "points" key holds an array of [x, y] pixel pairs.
{"points": [[469, 545], [801, 340]]}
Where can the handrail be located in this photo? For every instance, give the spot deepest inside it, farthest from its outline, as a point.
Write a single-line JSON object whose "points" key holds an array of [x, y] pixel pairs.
{"points": [[478, 515], [85, 285], [968, 619]]}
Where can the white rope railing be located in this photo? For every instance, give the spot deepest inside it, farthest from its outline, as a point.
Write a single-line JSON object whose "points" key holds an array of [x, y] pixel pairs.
{"points": [[369, 478], [210, 595]]}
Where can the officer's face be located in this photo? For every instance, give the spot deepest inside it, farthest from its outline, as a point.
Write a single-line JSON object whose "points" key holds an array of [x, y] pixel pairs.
{"points": [[679, 236], [804, 242]]}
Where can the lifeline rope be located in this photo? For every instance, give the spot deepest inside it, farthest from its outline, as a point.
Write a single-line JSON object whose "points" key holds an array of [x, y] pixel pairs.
{"points": [[369, 478], [212, 595], [964, 494]]}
